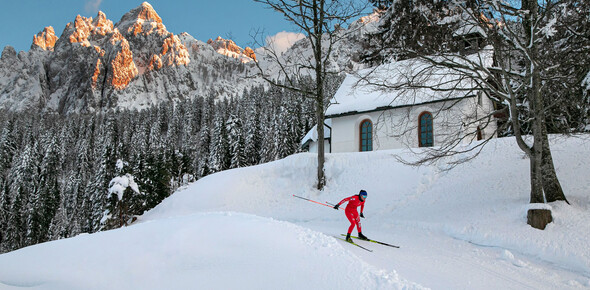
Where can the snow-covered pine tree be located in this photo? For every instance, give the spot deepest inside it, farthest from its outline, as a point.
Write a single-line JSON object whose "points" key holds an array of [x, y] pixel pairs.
{"points": [[8, 147], [17, 222], [236, 141], [175, 129], [202, 157], [190, 137], [125, 198], [155, 181], [109, 140], [268, 126], [78, 214], [219, 158], [205, 137], [26, 181], [67, 218], [282, 127], [46, 201], [23, 190], [252, 124], [4, 215], [297, 118]]}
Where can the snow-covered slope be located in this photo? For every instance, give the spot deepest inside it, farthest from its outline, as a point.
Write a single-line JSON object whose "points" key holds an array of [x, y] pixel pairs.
{"points": [[463, 229], [199, 251]]}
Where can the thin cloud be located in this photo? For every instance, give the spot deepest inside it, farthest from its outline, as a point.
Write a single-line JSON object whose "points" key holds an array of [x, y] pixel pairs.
{"points": [[92, 6], [282, 41]]}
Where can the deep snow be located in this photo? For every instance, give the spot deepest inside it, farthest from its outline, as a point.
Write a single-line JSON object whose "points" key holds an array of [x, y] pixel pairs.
{"points": [[459, 229]]}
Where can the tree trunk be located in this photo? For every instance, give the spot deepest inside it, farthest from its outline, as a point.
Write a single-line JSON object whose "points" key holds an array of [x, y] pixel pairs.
{"points": [[321, 153], [320, 127], [536, 182], [318, 22], [537, 150], [551, 186], [537, 106], [538, 125]]}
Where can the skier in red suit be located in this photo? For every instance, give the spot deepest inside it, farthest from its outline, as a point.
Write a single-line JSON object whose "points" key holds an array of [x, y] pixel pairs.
{"points": [[352, 215]]}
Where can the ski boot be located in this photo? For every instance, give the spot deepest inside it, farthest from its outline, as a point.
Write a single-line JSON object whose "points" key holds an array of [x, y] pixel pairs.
{"points": [[362, 237], [348, 239]]}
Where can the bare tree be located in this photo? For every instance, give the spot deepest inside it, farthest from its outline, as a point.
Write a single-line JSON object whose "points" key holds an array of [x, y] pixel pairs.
{"points": [[322, 23], [507, 65]]}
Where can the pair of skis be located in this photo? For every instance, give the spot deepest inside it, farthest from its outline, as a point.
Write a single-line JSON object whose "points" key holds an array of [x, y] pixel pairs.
{"points": [[369, 240]]}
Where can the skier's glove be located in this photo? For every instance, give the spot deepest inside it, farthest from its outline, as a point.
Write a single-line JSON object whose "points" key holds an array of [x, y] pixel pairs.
{"points": [[336, 206], [362, 215]]}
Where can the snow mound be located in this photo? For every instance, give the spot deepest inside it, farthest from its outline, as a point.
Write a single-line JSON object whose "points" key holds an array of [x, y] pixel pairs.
{"points": [[220, 250]]}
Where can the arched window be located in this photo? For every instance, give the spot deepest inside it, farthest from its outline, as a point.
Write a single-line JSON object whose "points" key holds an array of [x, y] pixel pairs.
{"points": [[425, 132], [366, 136]]}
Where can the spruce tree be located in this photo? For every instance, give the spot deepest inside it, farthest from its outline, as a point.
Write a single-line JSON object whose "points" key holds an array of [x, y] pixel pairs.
{"points": [[4, 215], [17, 223], [236, 142], [49, 194], [219, 158], [8, 148]]}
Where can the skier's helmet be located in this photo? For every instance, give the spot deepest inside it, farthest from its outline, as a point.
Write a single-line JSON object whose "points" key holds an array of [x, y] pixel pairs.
{"points": [[363, 194]]}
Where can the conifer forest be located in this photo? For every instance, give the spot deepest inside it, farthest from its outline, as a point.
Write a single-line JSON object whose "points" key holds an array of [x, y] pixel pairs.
{"points": [[56, 171]]}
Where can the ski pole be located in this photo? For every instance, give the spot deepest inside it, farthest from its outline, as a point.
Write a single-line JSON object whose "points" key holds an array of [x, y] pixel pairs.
{"points": [[312, 200]]}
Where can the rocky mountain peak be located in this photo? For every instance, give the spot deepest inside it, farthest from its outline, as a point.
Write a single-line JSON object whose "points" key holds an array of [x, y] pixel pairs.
{"points": [[8, 53], [141, 20], [86, 30], [173, 53], [249, 52], [102, 26], [123, 69], [146, 12], [81, 30], [45, 39], [229, 48]]}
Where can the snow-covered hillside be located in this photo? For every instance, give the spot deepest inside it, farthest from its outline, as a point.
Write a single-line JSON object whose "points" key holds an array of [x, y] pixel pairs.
{"points": [[463, 229]]}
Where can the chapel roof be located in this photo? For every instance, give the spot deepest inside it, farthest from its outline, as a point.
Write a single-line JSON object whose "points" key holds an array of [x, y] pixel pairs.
{"points": [[407, 83]]}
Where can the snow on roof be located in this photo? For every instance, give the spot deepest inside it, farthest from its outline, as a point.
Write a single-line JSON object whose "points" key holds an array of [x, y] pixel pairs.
{"points": [[469, 25], [312, 135], [468, 29], [408, 82]]}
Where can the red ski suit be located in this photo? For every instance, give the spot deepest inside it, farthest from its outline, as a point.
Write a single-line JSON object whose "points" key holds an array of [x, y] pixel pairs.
{"points": [[351, 214]]}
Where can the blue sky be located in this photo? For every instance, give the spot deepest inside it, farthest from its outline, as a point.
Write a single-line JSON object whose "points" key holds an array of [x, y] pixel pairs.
{"points": [[203, 19]]}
